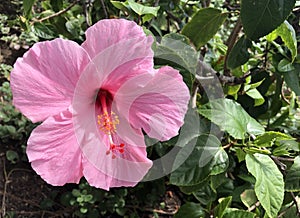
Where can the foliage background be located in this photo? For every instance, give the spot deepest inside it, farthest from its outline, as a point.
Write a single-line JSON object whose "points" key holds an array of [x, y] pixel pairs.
{"points": [[251, 46]]}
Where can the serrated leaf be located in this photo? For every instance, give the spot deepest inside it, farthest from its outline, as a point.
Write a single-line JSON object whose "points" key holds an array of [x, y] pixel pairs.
{"points": [[260, 17], [268, 138], [231, 117], [204, 25], [142, 10], [239, 54], [43, 31], [269, 184], [200, 163], [190, 210], [292, 180], [27, 6], [222, 206]]}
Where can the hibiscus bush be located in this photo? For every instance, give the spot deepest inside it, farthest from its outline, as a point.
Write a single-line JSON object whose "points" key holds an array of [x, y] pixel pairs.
{"points": [[168, 108]]}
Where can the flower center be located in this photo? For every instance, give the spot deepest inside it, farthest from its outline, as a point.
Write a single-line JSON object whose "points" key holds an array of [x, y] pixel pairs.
{"points": [[107, 122]]}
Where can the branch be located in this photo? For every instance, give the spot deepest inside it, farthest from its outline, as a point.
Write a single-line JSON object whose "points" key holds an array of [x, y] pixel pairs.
{"points": [[57, 13], [104, 9]]}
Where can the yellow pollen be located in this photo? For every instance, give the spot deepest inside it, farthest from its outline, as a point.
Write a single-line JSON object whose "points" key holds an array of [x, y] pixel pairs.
{"points": [[107, 122]]}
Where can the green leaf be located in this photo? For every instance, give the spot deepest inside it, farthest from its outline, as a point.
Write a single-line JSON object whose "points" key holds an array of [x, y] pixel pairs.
{"points": [[255, 94], [269, 138], [239, 214], [260, 17], [119, 5], [201, 163], [239, 54], [231, 117], [204, 25], [27, 6], [288, 36], [142, 10], [43, 31], [222, 206], [292, 180], [292, 79], [269, 184], [205, 195], [285, 66], [249, 198], [190, 210]]}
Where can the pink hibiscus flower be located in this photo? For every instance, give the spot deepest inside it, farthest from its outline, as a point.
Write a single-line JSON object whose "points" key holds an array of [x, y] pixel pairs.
{"points": [[94, 101]]}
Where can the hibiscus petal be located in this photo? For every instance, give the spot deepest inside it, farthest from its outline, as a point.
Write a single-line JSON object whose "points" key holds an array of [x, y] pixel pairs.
{"points": [[120, 50], [158, 107], [43, 81], [54, 152], [108, 32]]}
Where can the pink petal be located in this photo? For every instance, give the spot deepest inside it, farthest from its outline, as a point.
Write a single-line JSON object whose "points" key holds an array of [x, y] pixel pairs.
{"points": [[158, 107], [43, 81], [54, 152], [109, 32]]}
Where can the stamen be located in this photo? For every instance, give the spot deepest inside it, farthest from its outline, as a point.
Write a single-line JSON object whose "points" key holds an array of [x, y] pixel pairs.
{"points": [[107, 122]]}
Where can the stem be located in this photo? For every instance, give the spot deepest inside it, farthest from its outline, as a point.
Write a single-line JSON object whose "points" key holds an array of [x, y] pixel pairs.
{"points": [[104, 9], [230, 43]]}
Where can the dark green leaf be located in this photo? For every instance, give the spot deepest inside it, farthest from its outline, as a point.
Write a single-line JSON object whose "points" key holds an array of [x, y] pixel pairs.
{"points": [[43, 31], [269, 184], [292, 79], [285, 66], [199, 164], [27, 5], [190, 210], [292, 180], [231, 117], [239, 54], [204, 25], [205, 195], [56, 5], [260, 17]]}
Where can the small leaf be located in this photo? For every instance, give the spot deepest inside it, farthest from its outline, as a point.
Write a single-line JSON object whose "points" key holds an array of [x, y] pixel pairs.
{"points": [[205, 195], [222, 206], [255, 94], [12, 156], [190, 210], [239, 214], [231, 117], [292, 180], [239, 54], [120, 5], [285, 66], [204, 25], [142, 10], [260, 17], [269, 184], [288, 36], [249, 198], [27, 6], [268, 138]]}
